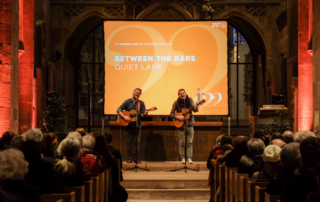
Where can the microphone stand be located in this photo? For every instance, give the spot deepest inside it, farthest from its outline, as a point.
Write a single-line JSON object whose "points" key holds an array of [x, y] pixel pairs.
{"points": [[185, 167], [136, 167]]}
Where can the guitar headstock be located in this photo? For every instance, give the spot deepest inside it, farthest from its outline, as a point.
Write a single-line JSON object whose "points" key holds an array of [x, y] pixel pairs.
{"points": [[201, 102], [153, 109]]}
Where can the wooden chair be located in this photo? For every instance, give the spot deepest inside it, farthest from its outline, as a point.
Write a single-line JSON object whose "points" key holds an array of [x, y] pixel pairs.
{"points": [[228, 183], [222, 181], [243, 188], [80, 192], [95, 189], [68, 197], [259, 192], [238, 187], [88, 191], [251, 189], [101, 186], [271, 198]]}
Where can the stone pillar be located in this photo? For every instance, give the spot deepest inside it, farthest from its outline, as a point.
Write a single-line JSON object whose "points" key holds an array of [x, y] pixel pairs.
{"points": [[26, 67], [316, 63], [9, 52], [305, 86]]}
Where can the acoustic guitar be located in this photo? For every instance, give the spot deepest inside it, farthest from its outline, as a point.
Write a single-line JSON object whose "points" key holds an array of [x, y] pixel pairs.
{"points": [[133, 115], [186, 113]]}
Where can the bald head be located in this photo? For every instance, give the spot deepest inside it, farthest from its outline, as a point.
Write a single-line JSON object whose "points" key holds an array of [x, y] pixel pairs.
{"points": [[240, 142], [288, 136], [278, 142]]}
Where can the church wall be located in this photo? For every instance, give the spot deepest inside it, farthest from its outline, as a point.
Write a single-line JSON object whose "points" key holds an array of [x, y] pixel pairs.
{"points": [[316, 64]]}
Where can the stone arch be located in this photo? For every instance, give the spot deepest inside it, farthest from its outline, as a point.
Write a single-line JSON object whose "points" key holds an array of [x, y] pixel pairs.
{"points": [[164, 11]]}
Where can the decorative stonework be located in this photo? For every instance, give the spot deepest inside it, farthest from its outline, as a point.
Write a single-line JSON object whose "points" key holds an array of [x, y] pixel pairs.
{"points": [[73, 10], [256, 10], [218, 10], [192, 6], [116, 12], [135, 7]]}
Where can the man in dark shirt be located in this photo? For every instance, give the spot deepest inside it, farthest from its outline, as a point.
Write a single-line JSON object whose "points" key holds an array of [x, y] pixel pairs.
{"points": [[133, 133], [117, 155], [184, 102]]}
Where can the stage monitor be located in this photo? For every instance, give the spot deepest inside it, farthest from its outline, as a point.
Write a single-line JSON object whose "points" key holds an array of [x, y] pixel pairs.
{"points": [[161, 57]]}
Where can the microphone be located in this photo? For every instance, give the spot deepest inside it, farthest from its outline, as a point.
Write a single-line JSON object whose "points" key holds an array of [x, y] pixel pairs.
{"points": [[136, 97]]}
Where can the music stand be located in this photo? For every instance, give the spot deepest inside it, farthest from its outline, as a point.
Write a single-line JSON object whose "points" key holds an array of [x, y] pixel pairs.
{"points": [[136, 167], [185, 145]]}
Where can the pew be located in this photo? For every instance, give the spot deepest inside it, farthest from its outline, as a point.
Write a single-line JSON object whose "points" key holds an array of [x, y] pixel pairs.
{"points": [[101, 186], [228, 183], [60, 200], [259, 192], [79, 191], [216, 177], [107, 174], [211, 182], [67, 197], [119, 169], [238, 187], [95, 189], [88, 191], [243, 188], [271, 198], [232, 184], [222, 182], [251, 189]]}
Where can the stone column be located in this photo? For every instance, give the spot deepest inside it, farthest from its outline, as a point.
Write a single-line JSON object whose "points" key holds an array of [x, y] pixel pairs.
{"points": [[305, 86], [316, 63], [9, 52], [26, 67]]}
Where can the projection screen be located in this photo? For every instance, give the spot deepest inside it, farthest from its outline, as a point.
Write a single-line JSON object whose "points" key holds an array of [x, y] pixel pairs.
{"points": [[163, 57]]}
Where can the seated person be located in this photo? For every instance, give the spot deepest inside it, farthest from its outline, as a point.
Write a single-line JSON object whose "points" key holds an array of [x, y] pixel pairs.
{"points": [[6, 139], [240, 149], [250, 163], [215, 148], [226, 149]]}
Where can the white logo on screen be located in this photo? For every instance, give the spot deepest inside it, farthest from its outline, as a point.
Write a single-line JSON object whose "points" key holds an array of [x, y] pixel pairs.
{"points": [[211, 97], [219, 24]]}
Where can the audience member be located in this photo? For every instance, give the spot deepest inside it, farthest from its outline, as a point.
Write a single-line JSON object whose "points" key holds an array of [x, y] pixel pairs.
{"points": [[13, 169], [34, 134], [303, 180], [290, 161], [75, 135], [251, 163], [226, 149], [17, 141], [90, 159], [81, 131], [278, 142], [240, 149], [115, 152], [276, 135], [301, 135], [225, 139], [102, 148], [215, 148], [49, 144], [271, 161], [262, 136], [6, 139], [69, 166], [288, 136]]}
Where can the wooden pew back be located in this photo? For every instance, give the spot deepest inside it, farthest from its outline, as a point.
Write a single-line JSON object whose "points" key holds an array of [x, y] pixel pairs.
{"points": [[243, 188], [68, 197], [271, 198], [88, 191], [238, 188], [259, 192], [101, 186], [79, 191], [95, 189], [251, 189], [222, 182], [228, 183]]}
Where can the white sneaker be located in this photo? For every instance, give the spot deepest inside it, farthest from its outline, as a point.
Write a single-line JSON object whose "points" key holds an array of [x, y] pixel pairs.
{"points": [[190, 161], [183, 161]]}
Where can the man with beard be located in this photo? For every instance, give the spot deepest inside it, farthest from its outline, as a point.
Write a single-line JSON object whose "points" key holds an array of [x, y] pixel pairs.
{"points": [[133, 132], [184, 102]]}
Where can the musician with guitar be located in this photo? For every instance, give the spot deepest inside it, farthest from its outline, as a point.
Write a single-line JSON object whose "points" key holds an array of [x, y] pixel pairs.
{"points": [[132, 131], [184, 104]]}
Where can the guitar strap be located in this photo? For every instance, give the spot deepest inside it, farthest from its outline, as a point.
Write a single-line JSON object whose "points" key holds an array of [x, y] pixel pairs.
{"points": [[138, 105]]}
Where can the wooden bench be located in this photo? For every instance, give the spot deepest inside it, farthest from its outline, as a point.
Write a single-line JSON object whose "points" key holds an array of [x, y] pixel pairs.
{"points": [[216, 177], [79, 191], [88, 191], [271, 198], [238, 187], [232, 184], [101, 186], [68, 197], [243, 188], [95, 189], [211, 176], [251, 189], [60, 200], [222, 181], [228, 183], [259, 192]]}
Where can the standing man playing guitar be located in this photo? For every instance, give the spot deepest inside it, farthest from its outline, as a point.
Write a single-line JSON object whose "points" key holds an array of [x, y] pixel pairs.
{"points": [[184, 102], [132, 131]]}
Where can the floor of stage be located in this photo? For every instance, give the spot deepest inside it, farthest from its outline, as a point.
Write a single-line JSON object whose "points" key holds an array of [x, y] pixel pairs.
{"points": [[162, 185]]}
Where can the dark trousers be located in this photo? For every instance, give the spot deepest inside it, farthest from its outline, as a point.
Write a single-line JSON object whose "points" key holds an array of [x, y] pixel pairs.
{"points": [[131, 137]]}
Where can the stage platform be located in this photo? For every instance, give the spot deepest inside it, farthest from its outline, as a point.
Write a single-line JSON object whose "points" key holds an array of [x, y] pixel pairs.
{"points": [[166, 165], [160, 186]]}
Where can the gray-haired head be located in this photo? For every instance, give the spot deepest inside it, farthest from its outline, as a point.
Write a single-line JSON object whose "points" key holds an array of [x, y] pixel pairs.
{"points": [[301, 135], [255, 144], [13, 166], [75, 135], [290, 155], [88, 142], [278, 142], [34, 134], [288, 136], [218, 141]]}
